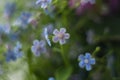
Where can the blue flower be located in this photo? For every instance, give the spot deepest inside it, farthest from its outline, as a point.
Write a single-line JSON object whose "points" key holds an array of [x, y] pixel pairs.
{"points": [[43, 3], [10, 55], [6, 28], [86, 61], [60, 36], [17, 50], [38, 47], [13, 54], [9, 9], [51, 78], [23, 20]]}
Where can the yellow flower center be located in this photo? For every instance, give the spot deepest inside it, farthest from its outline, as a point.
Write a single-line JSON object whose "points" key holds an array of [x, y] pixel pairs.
{"points": [[60, 36]]}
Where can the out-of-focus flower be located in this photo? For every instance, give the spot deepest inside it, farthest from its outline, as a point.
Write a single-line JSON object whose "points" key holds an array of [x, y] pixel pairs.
{"points": [[43, 3], [13, 54], [60, 36], [83, 2], [46, 36], [23, 20], [10, 55], [38, 47], [74, 3], [51, 78], [5, 28], [86, 61], [9, 9], [81, 5], [17, 50]]}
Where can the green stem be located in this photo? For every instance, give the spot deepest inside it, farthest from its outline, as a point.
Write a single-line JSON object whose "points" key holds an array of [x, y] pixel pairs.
{"points": [[63, 56]]}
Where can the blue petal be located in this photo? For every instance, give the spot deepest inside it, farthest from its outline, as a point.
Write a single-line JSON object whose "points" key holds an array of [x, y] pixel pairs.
{"points": [[33, 49], [92, 61], [42, 43], [81, 57], [35, 42], [37, 53], [51, 78], [62, 41], [88, 55], [81, 64], [62, 30], [55, 39], [88, 67]]}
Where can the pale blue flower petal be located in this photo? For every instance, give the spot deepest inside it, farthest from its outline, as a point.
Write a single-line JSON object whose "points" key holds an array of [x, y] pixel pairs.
{"points": [[92, 61], [81, 64], [87, 55], [62, 41], [35, 42], [55, 39], [67, 36], [88, 67], [55, 32], [62, 30], [81, 57], [51, 78]]}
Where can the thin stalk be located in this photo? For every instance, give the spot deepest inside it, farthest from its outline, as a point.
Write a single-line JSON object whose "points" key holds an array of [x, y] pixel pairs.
{"points": [[63, 56]]}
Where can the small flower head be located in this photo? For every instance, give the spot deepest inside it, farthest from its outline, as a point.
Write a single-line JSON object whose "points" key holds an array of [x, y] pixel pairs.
{"points": [[38, 47], [60, 36], [43, 3], [86, 61]]}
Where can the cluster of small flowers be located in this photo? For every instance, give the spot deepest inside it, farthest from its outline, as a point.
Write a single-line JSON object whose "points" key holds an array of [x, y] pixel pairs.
{"points": [[39, 47], [13, 54]]}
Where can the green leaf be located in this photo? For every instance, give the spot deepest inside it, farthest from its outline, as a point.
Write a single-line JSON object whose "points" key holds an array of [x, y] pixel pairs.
{"points": [[63, 73]]}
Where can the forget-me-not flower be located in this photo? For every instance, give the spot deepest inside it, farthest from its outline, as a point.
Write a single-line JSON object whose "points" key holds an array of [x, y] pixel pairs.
{"points": [[60, 36], [86, 61], [38, 47], [43, 3]]}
